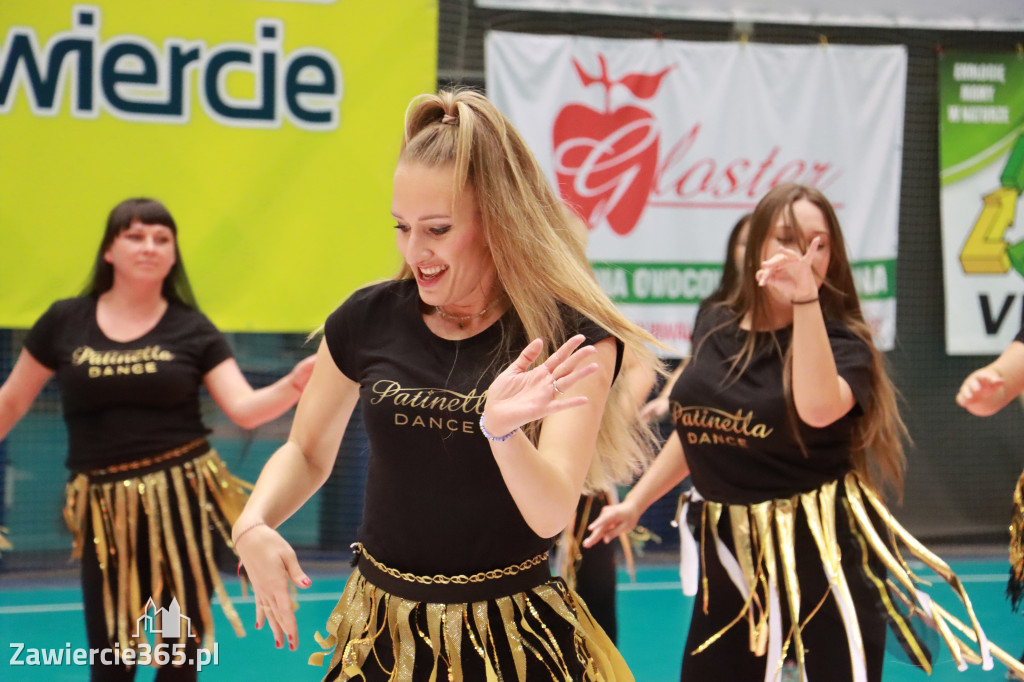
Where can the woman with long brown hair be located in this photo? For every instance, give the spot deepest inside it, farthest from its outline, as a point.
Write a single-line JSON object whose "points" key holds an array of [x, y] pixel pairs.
{"points": [[788, 425]]}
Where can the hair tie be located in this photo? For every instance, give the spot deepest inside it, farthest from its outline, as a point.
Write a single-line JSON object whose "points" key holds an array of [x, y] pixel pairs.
{"points": [[450, 120]]}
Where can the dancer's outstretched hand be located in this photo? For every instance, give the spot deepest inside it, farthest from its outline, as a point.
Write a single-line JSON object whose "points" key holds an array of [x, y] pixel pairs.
{"points": [[520, 395], [979, 386], [653, 410], [793, 275], [613, 521], [271, 564], [301, 372]]}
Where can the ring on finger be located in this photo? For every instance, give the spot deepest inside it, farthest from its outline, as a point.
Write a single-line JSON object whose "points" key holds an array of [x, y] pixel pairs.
{"points": [[554, 385]]}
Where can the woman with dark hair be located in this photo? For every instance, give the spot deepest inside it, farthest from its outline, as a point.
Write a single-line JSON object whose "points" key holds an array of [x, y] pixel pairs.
{"points": [[732, 264], [788, 425], [130, 355], [735, 251], [175, 286], [487, 375]]}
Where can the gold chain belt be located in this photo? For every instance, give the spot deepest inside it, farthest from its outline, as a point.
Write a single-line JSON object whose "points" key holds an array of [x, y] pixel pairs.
{"points": [[480, 577], [149, 461]]}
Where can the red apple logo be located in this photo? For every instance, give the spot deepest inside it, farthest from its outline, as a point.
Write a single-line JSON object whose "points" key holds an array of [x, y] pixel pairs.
{"points": [[605, 160]]}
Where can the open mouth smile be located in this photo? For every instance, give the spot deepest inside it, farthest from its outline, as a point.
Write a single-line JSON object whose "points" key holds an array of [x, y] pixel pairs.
{"points": [[431, 273]]}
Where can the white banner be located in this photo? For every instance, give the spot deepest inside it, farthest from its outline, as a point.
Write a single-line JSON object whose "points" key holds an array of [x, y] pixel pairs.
{"points": [[663, 145], [977, 15]]}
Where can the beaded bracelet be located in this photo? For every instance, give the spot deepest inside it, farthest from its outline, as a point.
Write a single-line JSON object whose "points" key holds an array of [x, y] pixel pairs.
{"points": [[246, 530], [491, 437]]}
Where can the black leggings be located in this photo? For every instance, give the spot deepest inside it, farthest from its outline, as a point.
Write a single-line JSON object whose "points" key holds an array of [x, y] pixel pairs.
{"points": [[95, 613], [825, 642], [595, 575]]}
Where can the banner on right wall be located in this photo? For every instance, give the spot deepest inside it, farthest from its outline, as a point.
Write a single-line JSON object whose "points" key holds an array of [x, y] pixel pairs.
{"points": [[981, 157]]}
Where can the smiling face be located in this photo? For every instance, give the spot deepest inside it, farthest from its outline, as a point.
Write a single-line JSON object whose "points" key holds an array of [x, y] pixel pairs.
{"points": [[142, 253], [442, 242]]}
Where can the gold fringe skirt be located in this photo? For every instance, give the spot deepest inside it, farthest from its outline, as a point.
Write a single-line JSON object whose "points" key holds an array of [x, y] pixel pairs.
{"points": [[1015, 588], [508, 639], [765, 563], [190, 483]]}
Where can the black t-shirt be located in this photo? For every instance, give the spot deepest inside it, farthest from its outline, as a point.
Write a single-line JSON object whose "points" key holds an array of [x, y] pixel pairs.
{"points": [[736, 433], [435, 499], [126, 401]]}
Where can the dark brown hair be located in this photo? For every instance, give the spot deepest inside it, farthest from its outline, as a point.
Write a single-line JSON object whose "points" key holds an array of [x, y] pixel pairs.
{"points": [[176, 286], [877, 446]]}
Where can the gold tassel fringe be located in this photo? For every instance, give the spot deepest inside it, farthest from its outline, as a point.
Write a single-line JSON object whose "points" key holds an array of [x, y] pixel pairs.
{"points": [[1015, 587], [758, 529], [114, 511], [365, 613]]}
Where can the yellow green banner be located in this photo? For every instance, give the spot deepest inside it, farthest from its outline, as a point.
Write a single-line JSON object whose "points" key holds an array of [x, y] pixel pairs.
{"points": [[981, 161], [269, 129]]}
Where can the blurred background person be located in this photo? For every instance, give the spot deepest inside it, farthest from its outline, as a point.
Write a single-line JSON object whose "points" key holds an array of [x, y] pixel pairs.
{"points": [[131, 354]]}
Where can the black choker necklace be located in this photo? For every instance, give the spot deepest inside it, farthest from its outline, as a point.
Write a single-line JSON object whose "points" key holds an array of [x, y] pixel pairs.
{"points": [[461, 320]]}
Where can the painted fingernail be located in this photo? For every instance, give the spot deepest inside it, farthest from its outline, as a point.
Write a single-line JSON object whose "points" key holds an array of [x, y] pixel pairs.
{"points": [[277, 643], [306, 582]]}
